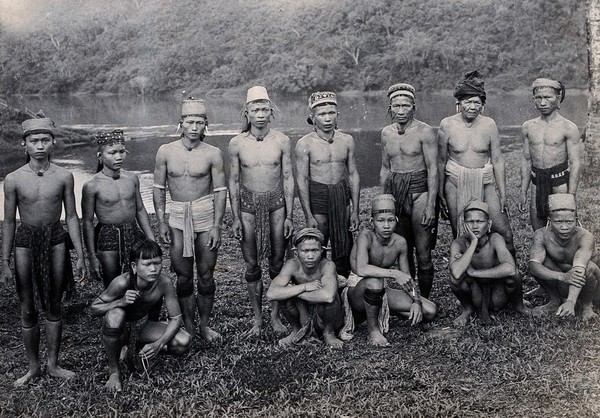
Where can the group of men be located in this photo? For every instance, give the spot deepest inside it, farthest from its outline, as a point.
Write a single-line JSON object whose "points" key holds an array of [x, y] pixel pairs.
{"points": [[458, 171]]}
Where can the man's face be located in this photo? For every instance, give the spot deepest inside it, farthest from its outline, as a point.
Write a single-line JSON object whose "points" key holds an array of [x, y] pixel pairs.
{"points": [[259, 113], [546, 100], [38, 146], [384, 224], [402, 109], [309, 252], [478, 221], [193, 127], [563, 223], [113, 156], [325, 117], [470, 107], [148, 269]]}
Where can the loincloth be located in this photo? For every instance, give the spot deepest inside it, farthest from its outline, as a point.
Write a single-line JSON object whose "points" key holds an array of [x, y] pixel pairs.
{"points": [[332, 200], [192, 217], [470, 183], [545, 179], [40, 240], [347, 331], [118, 237], [402, 186], [261, 204]]}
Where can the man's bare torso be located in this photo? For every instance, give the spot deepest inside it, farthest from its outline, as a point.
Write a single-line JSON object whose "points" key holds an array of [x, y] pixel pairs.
{"points": [[469, 146], [328, 161], [547, 140], [115, 200], [405, 152]]}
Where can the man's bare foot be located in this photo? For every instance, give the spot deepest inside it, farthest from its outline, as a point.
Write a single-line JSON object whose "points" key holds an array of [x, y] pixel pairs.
{"points": [[24, 380], [59, 372], [255, 331], [523, 310], [210, 335], [463, 318], [377, 339], [288, 341], [278, 326], [114, 383], [332, 341], [546, 309], [588, 313]]}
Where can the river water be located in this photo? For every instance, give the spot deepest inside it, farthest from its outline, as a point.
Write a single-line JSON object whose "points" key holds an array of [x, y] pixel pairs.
{"points": [[152, 122]]}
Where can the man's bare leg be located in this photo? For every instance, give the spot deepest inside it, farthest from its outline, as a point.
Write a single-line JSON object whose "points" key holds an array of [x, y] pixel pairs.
{"points": [[292, 314], [109, 262], [423, 242], [451, 195], [278, 249], [500, 222], [53, 339], [373, 299], [112, 337], [206, 260], [329, 313], [184, 268], [31, 340], [462, 292], [551, 289], [514, 291]]}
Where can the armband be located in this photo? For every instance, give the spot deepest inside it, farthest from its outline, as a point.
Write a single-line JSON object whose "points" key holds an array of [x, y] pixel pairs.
{"points": [[158, 186], [220, 189], [175, 317], [583, 267], [535, 261]]}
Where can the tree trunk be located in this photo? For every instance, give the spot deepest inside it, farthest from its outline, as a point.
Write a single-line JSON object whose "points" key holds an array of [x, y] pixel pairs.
{"points": [[592, 134]]}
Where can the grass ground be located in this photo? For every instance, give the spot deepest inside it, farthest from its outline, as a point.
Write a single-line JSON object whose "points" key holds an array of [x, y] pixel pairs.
{"points": [[516, 367]]}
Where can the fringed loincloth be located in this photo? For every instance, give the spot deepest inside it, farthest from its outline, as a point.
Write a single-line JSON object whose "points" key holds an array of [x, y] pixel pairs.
{"points": [[544, 180]]}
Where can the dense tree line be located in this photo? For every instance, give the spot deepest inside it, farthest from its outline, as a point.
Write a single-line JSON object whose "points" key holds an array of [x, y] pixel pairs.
{"points": [[162, 46]]}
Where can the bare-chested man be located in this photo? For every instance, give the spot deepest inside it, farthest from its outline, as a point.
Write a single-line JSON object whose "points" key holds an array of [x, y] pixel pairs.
{"points": [[39, 190], [483, 273], [306, 281], [409, 173], [563, 260], [328, 179], [373, 257], [113, 195], [261, 188], [470, 163], [193, 171], [551, 147], [129, 298]]}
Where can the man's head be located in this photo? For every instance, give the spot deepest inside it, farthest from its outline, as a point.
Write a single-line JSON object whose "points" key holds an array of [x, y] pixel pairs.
{"points": [[323, 110], [146, 260], [402, 102], [470, 95], [38, 137], [547, 95], [383, 212], [258, 109], [111, 149], [562, 217], [309, 246], [477, 218], [193, 118]]}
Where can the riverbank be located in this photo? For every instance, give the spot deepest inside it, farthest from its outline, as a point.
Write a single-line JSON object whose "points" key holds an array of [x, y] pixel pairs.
{"points": [[515, 367]]}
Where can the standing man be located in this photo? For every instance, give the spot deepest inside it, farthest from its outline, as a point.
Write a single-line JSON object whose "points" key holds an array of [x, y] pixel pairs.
{"points": [[470, 163], [551, 147], [261, 188], [39, 190], [193, 171], [563, 260], [328, 179], [409, 173]]}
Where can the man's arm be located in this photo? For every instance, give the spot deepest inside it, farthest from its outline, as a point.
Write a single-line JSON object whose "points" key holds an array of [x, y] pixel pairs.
{"points": [[116, 295], [325, 293], [302, 177], [88, 201], [364, 269], [525, 168], [217, 172], [354, 181], [442, 140], [574, 154], [385, 163], [282, 287], [8, 227], [73, 222], [460, 259], [498, 164], [288, 186], [506, 264], [141, 214], [429, 148], [234, 188], [159, 194], [537, 256], [174, 323]]}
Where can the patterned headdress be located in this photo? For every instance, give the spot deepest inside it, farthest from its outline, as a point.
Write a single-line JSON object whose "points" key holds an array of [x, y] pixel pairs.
{"points": [[322, 97], [401, 89], [383, 203], [110, 138], [38, 125]]}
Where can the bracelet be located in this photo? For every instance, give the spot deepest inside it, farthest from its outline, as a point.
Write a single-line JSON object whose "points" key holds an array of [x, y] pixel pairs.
{"points": [[158, 186]]}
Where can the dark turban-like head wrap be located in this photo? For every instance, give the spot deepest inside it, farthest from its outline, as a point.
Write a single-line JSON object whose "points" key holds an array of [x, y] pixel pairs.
{"points": [[471, 85]]}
